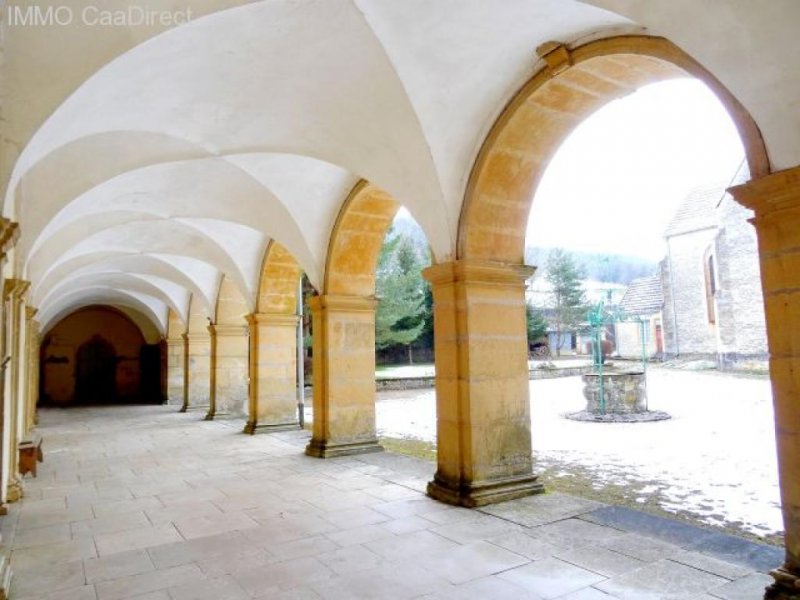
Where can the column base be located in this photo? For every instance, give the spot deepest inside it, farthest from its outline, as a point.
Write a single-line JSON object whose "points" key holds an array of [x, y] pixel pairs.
{"points": [[319, 449], [15, 491], [786, 586], [482, 493], [197, 408], [219, 414], [5, 578], [252, 428]]}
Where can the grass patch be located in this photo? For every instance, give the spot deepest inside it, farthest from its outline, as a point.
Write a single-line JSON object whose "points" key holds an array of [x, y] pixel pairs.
{"points": [[410, 447], [581, 481]]}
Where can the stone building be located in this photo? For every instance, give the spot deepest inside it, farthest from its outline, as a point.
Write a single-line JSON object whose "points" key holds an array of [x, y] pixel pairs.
{"points": [[186, 168], [713, 303], [642, 331]]}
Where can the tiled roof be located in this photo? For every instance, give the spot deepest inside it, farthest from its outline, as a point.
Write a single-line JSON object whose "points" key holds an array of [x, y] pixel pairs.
{"points": [[644, 296], [697, 211]]}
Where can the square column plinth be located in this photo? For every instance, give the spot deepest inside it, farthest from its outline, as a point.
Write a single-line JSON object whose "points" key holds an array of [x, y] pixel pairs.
{"points": [[228, 373], [273, 373], [197, 371], [176, 357], [344, 376], [482, 400]]}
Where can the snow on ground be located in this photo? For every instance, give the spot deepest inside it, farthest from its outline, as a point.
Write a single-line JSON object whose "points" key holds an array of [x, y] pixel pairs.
{"points": [[405, 371], [714, 458]]}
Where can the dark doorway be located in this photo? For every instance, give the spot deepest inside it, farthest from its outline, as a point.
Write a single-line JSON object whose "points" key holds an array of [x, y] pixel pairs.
{"points": [[96, 372]]}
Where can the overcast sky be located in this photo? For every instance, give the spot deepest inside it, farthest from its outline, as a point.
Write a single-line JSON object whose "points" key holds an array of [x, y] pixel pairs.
{"points": [[616, 181]]}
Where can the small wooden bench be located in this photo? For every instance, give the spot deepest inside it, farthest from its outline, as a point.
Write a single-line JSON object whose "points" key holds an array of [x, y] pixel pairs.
{"points": [[30, 453]]}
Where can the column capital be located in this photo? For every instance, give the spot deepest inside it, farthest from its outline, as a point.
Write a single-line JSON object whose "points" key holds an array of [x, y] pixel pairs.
{"points": [[196, 337], [30, 312], [273, 319], [9, 234], [343, 303], [223, 330], [15, 288], [475, 271], [775, 192]]}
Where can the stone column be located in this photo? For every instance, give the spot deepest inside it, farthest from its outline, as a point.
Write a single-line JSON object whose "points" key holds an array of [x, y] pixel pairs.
{"points": [[14, 290], [228, 373], [482, 400], [31, 368], [198, 370], [273, 373], [775, 199], [344, 376], [9, 234], [176, 370]]}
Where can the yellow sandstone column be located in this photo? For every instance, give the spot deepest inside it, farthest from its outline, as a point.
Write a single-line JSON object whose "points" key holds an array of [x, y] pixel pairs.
{"points": [[176, 359], [273, 373], [31, 368], [228, 375], [198, 370], [775, 199], [14, 290], [344, 376], [482, 400]]}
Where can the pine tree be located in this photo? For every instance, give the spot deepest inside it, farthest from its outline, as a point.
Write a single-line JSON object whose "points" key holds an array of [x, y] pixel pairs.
{"points": [[537, 325], [399, 319], [569, 300]]}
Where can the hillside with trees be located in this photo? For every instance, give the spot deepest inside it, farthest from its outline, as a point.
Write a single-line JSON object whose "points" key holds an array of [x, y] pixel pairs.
{"points": [[609, 268]]}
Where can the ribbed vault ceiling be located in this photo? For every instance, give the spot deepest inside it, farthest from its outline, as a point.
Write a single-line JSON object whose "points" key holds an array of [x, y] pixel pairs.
{"points": [[165, 159]]}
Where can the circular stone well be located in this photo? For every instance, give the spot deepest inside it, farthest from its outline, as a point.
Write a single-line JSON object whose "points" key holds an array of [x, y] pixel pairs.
{"points": [[625, 395]]}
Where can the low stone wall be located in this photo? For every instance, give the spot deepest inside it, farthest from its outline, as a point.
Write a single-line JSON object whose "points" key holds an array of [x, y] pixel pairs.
{"points": [[405, 383], [559, 372], [429, 382]]}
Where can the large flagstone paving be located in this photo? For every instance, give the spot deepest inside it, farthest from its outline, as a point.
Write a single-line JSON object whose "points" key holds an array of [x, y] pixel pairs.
{"points": [[148, 503]]}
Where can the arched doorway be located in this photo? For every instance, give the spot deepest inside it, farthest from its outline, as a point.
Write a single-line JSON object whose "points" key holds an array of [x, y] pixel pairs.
{"points": [[99, 355], [95, 371]]}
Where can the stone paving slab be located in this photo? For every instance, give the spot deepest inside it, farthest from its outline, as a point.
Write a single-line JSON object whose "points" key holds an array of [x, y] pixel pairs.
{"points": [[147, 503], [758, 557]]}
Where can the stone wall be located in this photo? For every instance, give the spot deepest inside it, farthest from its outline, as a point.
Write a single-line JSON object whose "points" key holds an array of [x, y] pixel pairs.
{"points": [[739, 333], [629, 340], [685, 294], [740, 299], [72, 370]]}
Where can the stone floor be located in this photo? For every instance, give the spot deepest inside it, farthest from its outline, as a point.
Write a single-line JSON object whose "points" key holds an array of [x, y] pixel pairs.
{"points": [[147, 503]]}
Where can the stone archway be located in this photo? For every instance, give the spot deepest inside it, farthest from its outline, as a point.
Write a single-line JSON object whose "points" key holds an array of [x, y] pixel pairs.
{"points": [[484, 445], [343, 320], [575, 83], [273, 344]]}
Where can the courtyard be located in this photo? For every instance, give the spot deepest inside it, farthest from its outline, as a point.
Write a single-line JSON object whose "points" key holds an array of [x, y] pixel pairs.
{"points": [[713, 461]]}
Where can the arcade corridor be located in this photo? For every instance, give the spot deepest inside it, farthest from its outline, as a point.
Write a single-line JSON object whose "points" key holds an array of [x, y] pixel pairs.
{"points": [[148, 503]]}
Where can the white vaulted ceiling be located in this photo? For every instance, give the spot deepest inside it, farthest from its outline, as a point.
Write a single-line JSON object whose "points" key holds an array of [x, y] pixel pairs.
{"points": [[165, 159]]}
